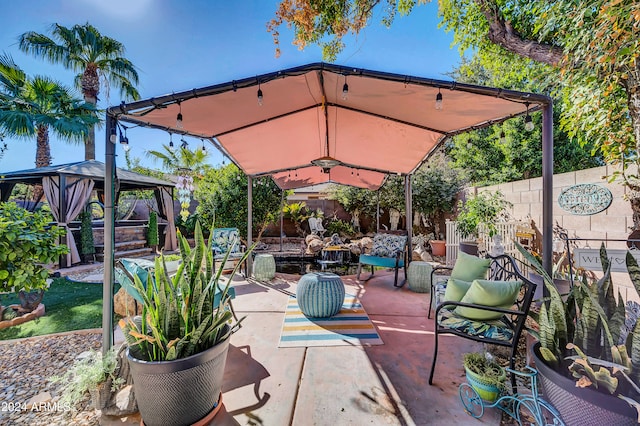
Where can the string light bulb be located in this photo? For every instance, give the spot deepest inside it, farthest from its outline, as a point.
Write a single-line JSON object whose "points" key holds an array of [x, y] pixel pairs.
{"points": [[528, 121], [179, 124], [124, 140], [345, 89], [171, 147], [439, 100], [260, 97], [204, 148]]}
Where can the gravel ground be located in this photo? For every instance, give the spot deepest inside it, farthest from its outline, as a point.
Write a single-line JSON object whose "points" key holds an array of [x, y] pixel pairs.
{"points": [[26, 365]]}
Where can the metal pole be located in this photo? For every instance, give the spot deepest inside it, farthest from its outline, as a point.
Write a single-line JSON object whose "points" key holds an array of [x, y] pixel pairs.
{"points": [[378, 210], [249, 222], [281, 217], [547, 187], [62, 215], [109, 233], [408, 201]]}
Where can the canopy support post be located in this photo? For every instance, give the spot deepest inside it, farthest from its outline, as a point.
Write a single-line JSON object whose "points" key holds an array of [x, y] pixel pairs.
{"points": [[249, 223], [378, 210], [281, 217], [109, 234], [547, 187], [408, 201]]}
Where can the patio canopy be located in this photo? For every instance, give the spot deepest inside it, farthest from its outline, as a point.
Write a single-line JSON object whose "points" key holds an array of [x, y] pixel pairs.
{"points": [[328, 123]]}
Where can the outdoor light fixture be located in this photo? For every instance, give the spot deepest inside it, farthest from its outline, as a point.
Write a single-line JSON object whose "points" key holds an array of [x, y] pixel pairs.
{"points": [[345, 89], [204, 148], [112, 137], [184, 144], [528, 122], [439, 100], [260, 97], [171, 148], [179, 117], [326, 163], [503, 137], [124, 140]]}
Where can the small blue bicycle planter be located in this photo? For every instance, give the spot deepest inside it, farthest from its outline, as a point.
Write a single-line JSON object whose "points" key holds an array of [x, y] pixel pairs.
{"points": [[525, 408]]}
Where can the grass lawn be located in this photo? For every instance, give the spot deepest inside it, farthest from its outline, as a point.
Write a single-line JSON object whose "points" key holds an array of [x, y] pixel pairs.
{"points": [[69, 305]]}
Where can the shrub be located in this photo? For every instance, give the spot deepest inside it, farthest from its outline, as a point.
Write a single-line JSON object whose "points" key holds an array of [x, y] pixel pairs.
{"points": [[152, 232], [26, 243], [87, 245], [340, 227]]}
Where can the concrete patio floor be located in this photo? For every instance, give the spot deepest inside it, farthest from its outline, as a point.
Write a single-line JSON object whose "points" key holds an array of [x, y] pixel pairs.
{"points": [[343, 385]]}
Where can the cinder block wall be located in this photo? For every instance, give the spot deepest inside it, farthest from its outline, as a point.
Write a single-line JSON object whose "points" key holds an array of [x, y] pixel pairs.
{"points": [[613, 223]]}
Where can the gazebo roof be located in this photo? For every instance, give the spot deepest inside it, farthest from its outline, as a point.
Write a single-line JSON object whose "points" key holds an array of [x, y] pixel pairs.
{"points": [[384, 123], [86, 169]]}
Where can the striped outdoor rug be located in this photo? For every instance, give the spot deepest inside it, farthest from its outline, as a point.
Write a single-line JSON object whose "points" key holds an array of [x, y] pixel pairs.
{"points": [[351, 326]]}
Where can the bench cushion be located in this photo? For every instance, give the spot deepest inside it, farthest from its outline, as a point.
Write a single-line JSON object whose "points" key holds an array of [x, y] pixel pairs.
{"points": [[469, 268], [491, 329], [385, 262], [388, 245], [500, 294]]}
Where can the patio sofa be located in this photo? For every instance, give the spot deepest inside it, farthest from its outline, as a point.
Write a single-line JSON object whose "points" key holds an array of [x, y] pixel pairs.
{"points": [[389, 251]]}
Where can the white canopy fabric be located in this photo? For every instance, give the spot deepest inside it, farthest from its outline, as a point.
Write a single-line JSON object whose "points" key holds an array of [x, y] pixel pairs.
{"points": [[384, 123]]}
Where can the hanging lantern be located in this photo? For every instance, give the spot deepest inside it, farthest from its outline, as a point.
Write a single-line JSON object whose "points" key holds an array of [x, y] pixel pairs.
{"points": [[184, 185]]}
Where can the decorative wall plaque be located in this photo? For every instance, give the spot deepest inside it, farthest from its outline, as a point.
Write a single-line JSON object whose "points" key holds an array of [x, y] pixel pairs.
{"points": [[585, 199]]}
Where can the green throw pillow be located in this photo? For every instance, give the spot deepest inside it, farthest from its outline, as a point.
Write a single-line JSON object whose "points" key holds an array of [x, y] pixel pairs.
{"points": [[456, 289], [469, 268], [500, 294]]}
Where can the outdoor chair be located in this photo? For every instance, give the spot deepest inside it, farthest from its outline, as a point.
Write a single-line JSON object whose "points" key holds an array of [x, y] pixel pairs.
{"points": [[315, 226], [126, 269], [490, 310], [227, 240], [389, 251]]}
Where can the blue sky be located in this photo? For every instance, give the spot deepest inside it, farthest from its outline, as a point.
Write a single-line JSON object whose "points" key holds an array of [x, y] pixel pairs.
{"points": [[180, 45]]}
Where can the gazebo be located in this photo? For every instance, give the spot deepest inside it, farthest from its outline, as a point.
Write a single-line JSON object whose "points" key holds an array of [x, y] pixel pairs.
{"points": [[79, 180], [328, 123]]}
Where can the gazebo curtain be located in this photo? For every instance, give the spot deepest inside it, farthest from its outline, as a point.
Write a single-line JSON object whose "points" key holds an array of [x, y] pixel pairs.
{"points": [[77, 193], [165, 207]]}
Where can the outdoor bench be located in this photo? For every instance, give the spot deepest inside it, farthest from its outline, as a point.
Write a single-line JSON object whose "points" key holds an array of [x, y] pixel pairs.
{"points": [[389, 251]]}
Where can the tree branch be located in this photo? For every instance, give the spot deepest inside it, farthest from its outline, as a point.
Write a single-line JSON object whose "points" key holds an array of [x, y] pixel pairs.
{"points": [[503, 34]]}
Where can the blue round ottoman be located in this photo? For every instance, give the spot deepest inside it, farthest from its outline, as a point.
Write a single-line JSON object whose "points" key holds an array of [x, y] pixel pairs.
{"points": [[320, 294]]}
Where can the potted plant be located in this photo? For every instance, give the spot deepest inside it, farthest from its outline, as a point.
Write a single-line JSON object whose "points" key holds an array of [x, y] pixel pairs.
{"points": [[91, 372], [477, 214], [178, 347], [27, 244], [485, 376], [87, 246], [588, 348]]}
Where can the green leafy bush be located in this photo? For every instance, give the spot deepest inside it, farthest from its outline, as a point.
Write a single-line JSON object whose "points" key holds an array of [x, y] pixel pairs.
{"points": [[26, 243], [340, 227], [480, 211], [152, 232], [87, 245]]}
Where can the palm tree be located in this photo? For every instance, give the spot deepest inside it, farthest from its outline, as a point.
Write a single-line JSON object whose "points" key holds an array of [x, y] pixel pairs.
{"points": [[34, 105], [96, 58]]}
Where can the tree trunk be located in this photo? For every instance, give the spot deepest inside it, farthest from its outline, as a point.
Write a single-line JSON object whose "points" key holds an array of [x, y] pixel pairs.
{"points": [[43, 150], [90, 89]]}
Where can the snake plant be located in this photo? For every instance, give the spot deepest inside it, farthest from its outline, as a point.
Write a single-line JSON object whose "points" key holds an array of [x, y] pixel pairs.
{"points": [[588, 321], [178, 317]]}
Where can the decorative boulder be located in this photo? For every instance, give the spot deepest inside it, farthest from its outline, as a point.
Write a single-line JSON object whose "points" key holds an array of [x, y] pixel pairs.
{"points": [[124, 305], [310, 238], [314, 246]]}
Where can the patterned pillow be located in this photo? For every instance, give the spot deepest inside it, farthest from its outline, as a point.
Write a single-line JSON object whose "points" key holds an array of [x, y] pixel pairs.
{"points": [[388, 245], [226, 239]]}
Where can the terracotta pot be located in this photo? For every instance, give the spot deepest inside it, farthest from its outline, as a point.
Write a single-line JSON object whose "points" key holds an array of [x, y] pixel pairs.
{"points": [[438, 247]]}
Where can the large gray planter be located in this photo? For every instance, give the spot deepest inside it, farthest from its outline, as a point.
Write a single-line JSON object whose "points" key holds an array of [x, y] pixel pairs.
{"points": [[581, 406], [179, 392]]}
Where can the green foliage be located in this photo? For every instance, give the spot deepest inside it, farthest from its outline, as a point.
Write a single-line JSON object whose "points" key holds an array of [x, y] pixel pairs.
{"points": [[480, 212], [493, 374], [352, 198], [86, 234], [182, 158], [340, 227], [589, 319], [187, 227], [178, 317], [26, 243], [297, 213], [86, 374], [222, 195], [152, 231]]}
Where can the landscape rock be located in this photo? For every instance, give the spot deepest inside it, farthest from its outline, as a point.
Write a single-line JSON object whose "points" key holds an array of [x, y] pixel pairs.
{"points": [[125, 305]]}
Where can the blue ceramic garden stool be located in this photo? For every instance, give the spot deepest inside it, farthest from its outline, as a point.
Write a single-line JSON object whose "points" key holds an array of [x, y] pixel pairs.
{"points": [[320, 294]]}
